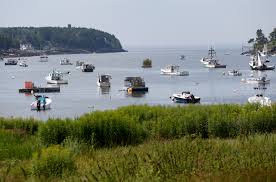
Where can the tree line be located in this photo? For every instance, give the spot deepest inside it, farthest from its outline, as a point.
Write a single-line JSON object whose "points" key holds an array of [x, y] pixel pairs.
{"points": [[261, 40], [46, 38]]}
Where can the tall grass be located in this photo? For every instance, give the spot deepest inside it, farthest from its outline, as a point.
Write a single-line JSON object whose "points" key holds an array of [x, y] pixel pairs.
{"points": [[17, 146], [29, 126], [134, 124]]}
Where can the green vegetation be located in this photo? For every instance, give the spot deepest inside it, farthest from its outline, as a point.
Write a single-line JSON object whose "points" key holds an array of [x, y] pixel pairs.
{"points": [[144, 143], [261, 40], [47, 38], [147, 63]]}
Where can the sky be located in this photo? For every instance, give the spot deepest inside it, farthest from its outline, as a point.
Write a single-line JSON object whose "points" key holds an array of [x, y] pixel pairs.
{"points": [[150, 22]]}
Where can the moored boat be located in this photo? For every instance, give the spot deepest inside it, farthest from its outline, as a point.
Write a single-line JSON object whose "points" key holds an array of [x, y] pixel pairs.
{"points": [[211, 61], [43, 58], [41, 103], [185, 97], [11, 62], [65, 62], [23, 64], [56, 77], [260, 99], [234, 73], [259, 80], [87, 67], [258, 62], [104, 80], [173, 70], [135, 84]]}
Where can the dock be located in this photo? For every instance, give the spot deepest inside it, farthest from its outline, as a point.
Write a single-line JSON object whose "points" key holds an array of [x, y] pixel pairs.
{"points": [[39, 90]]}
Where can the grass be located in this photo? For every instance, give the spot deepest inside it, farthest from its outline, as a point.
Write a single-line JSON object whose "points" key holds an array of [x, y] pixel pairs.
{"points": [[143, 143]]}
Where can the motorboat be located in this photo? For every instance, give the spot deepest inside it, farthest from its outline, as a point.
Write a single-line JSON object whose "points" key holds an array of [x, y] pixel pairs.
{"points": [[211, 61], [214, 64], [135, 84], [23, 64], [258, 62], [87, 67], [185, 97], [234, 73], [43, 58], [79, 64], [11, 62], [65, 62], [259, 80], [56, 77], [104, 80], [173, 70], [260, 99], [41, 103]]}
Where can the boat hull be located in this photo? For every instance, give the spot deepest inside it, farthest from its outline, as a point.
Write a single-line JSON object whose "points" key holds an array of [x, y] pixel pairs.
{"points": [[181, 73], [47, 105], [262, 68], [185, 100], [103, 84], [55, 81]]}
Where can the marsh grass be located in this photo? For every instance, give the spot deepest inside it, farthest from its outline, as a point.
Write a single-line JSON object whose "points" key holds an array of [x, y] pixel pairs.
{"points": [[134, 124]]}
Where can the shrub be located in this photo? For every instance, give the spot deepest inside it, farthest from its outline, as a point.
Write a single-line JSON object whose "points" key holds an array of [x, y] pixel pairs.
{"points": [[53, 161]]}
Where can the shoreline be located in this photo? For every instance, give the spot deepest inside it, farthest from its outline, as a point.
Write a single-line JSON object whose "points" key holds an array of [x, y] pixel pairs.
{"points": [[30, 53]]}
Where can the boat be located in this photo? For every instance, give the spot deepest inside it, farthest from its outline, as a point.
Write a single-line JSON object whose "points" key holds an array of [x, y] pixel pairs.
{"points": [[258, 62], [87, 67], [23, 64], [41, 103], [211, 61], [11, 62], [104, 80], [43, 58], [234, 73], [135, 84], [260, 99], [79, 64], [173, 70], [65, 62], [214, 64], [185, 97], [147, 63], [56, 77], [259, 80]]}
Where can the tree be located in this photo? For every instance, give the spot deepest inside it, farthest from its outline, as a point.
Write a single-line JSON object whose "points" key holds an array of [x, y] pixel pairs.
{"points": [[251, 40]]}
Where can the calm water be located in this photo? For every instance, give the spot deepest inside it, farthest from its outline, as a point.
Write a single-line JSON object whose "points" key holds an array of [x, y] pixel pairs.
{"points": [[82, 95]]}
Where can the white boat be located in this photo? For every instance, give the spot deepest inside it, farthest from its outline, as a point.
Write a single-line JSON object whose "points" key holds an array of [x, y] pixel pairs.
{"points": [[185, 97], [234, 73], [173, 70], [260, 80], [79, 64], [11, 62], [214, 64], [260, 99], [41, 103], [211, 61], [56, 77], [103, 80], [23, 64], [65, 62], [258, 62], [43, 58]]}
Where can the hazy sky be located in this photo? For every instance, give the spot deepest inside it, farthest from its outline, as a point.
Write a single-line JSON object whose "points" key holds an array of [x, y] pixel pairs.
{"points": [[150, 22]]}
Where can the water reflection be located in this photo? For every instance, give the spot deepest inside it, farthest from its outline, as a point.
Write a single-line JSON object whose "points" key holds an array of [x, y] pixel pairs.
{"points": [[104, 90], [136, 94]]}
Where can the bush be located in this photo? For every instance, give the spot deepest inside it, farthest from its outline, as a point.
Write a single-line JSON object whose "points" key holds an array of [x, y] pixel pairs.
{"points": [[53, 161]]}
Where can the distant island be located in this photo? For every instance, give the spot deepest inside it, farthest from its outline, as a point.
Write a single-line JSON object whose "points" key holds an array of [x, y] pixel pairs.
{"points": [[31, 41], [262, 42]]}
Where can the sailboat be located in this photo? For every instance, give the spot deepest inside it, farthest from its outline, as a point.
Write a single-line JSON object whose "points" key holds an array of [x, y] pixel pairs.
{"points": [[257, 62]]}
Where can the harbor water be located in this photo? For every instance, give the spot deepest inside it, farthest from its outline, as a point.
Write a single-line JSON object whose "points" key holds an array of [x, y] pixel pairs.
{"points": [[82, 95]]}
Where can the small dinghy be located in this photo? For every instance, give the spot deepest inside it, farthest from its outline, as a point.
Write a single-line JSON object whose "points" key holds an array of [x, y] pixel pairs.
{"points": [[41, 103], [23, 64], [234, 73], [185, 97]]}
